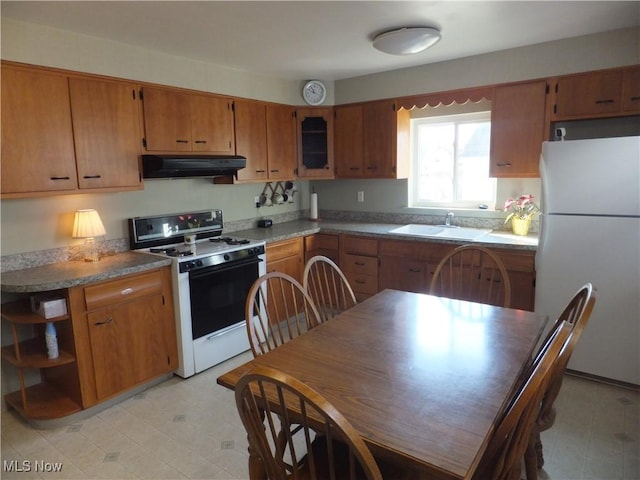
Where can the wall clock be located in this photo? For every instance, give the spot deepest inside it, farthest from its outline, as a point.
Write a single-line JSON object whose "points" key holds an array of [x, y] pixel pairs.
{"points": [[314, 92]]}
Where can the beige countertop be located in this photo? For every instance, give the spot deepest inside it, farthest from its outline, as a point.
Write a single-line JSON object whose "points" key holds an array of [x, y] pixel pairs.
{"points": [[296, 228], [77, 272]]}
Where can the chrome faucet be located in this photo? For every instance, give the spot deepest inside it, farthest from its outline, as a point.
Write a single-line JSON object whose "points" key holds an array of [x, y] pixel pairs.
{"points": [[448, 218]]}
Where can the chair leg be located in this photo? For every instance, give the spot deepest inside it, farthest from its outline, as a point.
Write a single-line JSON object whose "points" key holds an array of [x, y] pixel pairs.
{"points": [[531, 458], [539, 454]]}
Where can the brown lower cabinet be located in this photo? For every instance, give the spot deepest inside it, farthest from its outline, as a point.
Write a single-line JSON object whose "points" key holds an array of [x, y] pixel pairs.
{"points": [[324, 244], [124, 332], [409, 265], [118, 334], [286, 256]]}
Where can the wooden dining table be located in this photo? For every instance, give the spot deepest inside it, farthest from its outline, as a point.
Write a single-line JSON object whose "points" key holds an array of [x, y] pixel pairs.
{"points": [[423, 379]]}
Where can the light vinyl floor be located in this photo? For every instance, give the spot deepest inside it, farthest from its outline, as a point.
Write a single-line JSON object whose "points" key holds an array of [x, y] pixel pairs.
{"points": [[189, 429]]}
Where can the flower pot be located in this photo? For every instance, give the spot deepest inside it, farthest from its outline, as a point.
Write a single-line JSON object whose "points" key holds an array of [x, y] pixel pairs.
{"points": [[520, 226]]}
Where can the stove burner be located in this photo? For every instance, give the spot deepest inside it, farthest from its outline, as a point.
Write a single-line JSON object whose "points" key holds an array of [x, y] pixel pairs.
{"points": [[230, 241], [165, 250], [171, 251], [179, 253]]}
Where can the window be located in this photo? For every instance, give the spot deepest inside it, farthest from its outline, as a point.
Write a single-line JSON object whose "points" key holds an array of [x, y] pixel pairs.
{"points": [[450, 161]]}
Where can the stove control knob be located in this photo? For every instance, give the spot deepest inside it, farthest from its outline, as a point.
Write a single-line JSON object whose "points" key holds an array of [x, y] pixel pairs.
{"points": [[189, 265], [198, 263], [226, 256]]}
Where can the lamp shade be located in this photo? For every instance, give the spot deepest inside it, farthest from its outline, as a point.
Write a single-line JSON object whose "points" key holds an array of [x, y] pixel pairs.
{"points": [[406, 41], [87, 224]]}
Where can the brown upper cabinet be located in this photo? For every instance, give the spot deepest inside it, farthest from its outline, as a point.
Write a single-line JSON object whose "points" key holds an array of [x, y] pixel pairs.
{"points": [[315, 143], [106, 131], [266, 135], [176, 121], [372, 140], [603, 93], [348, 141], [518, 128], [281, 142], [250, 119], [64, 134]]}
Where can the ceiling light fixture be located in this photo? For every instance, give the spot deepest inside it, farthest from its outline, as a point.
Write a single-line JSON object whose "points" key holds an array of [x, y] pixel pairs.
{"points": [[406, 40]]}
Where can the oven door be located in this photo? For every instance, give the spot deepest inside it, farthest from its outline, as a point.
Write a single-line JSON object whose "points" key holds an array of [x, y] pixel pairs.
{"points": [[218, 295]]}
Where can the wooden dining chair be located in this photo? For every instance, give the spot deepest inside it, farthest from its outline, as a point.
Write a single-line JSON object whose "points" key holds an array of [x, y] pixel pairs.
{"points": [[328, 287], [277, 309], [503, 458], [324, 446], [577, 314], [473, 273]]}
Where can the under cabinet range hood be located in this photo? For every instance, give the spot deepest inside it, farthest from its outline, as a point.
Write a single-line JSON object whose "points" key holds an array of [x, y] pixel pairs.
{"points": [[183, 166]]}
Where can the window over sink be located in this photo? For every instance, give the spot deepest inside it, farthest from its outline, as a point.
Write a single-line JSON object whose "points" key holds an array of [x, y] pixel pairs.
{"points": [[450, 160]]}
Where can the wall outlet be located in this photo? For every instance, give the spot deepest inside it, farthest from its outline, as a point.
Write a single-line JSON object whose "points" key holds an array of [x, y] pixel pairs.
{"points": [[360, 197], [256, 201]]}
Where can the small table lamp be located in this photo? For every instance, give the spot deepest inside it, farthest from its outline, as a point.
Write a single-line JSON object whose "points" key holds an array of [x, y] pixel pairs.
{"points": [[87, 225]]}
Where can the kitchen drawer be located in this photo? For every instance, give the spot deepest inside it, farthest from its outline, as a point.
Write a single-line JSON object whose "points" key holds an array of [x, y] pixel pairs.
{"points": [[518, 262], [360, 246], [284, 249], [367, 284], [125, 289], [360, 265]]}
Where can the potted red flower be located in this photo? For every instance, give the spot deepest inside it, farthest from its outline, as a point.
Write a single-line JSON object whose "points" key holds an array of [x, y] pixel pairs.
{"points": [[521, 213]]}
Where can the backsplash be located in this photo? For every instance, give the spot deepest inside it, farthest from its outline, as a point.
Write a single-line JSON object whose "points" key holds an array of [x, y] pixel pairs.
{"points": [[110, 247]]}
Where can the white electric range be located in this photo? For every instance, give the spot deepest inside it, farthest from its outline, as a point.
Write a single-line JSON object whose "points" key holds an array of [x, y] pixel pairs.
{"points": [[211, 275]]}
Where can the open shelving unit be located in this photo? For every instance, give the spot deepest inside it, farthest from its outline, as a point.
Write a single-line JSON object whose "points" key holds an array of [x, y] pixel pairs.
{"points": [[57, 394]]}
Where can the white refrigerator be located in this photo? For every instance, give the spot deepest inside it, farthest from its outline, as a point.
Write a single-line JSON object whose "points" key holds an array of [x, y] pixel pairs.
{"points": [[590, 232]]}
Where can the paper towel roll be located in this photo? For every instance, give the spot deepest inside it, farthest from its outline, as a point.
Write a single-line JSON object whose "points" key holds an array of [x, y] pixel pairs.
{"points": [[313, 207]]}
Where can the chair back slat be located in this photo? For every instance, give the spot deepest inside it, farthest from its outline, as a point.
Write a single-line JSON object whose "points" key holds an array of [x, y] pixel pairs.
{"points": [[473, 273], [277, 309], [313, 441], [503, 457], [327, 285]]}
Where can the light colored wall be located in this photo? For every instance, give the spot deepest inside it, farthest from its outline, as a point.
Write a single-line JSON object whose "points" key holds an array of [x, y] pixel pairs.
{"points": [[591, 52]]}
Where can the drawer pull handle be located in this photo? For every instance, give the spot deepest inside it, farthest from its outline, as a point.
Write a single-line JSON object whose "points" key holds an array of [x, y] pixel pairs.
{"points": [[105, 322], [608, 100], [506, 164], [182, 141], [200, 141], [60, 178], [635, 99], [361, 282], [360, 264], [92, 176], [126, 291], [414, 270]]}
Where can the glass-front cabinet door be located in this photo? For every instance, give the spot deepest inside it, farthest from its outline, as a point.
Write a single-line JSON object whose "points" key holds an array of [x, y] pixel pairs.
{"points": [[315, 143]]}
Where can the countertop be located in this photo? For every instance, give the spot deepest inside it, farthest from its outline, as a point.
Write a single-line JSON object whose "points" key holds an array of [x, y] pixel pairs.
{"points": [[77, 272], [296, 228]]}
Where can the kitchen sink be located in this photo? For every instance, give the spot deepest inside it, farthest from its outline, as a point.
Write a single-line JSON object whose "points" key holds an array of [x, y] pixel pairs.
{"points": [[437, 231]]}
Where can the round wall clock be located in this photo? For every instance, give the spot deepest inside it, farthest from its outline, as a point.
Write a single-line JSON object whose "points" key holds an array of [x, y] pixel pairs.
{"points": [[314, 92]]}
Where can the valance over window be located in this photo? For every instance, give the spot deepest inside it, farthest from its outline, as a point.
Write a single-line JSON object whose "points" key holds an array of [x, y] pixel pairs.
{"points": [[446, 98]]}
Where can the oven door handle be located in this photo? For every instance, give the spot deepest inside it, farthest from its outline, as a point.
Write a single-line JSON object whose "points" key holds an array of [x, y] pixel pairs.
{"points": [[203, 272]]}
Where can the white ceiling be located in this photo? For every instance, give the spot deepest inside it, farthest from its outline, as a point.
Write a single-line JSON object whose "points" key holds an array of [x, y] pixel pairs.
{"points": [[329, 40]]}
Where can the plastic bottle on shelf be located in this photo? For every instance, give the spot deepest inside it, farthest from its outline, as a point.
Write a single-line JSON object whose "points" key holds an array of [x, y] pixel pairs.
{"points": [[52, 340]]}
